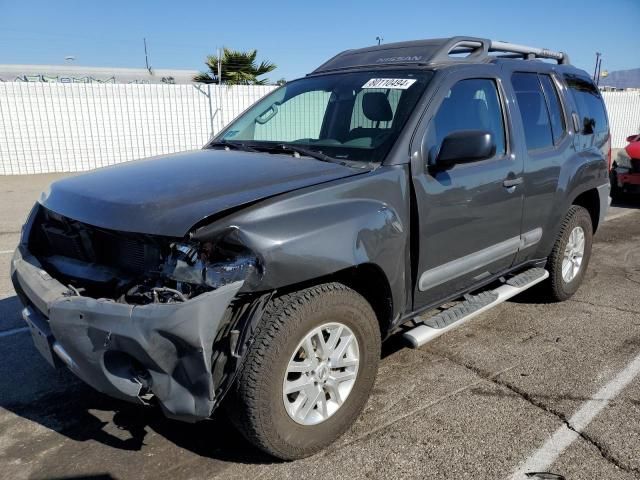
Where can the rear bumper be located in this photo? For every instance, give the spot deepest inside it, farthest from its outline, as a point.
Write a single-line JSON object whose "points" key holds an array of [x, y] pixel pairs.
{"points": [[127, 351], [625, 179]]}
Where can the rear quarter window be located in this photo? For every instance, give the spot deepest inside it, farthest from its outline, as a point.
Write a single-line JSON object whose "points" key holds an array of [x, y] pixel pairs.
{"points": [[591, 110]]}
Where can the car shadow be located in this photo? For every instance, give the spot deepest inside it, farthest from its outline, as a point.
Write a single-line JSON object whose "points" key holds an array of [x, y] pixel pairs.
{"points": [[82, 414], [534, 295], [10, 313], [627, 201], [393, 344]]}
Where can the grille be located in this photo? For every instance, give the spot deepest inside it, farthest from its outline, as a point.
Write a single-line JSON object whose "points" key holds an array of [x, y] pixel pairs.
{"points": [[64, 243], [129, 253]]}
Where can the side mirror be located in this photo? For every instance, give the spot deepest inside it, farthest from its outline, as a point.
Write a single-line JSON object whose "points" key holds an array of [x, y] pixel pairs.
{"points": [[465, 146], [633, 138]]}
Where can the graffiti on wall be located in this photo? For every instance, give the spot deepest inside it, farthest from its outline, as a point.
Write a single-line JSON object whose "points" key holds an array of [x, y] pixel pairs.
{"points": [[87, 79], [60, 79]]}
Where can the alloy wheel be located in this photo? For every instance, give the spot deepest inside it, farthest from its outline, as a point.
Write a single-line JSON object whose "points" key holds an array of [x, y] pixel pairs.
{"points": [[321, 373]]}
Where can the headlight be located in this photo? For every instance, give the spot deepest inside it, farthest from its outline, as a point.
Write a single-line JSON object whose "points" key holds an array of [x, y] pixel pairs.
{"points": [[622, 159], [207, 266]]}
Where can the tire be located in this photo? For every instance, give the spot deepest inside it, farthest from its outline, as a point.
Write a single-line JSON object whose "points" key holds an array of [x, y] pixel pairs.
{"points": [[616, 193], [257, 406], [558, 287]]}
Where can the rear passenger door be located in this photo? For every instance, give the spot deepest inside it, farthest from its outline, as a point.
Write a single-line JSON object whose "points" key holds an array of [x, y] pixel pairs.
{"points": [[542, 140], [469, 215]]}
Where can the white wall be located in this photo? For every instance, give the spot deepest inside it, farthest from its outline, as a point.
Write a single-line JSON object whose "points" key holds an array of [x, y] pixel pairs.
{"points": [[47, 127], [624, 115]]}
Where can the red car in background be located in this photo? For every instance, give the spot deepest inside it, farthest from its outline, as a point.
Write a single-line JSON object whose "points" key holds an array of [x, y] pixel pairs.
{"points": [[625, 172]]}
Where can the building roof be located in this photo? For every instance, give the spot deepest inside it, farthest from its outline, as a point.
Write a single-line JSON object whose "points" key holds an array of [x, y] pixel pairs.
{"points": [[82, 74]]}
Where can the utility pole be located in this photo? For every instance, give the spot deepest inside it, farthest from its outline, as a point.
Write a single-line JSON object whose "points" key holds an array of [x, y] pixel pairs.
{"points": [[595, 70], [219, 68], [220, 86], [146, 56]]}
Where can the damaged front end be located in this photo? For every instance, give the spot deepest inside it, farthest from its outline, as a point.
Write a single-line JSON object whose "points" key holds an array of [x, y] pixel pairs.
{"points": [[137, 316]]}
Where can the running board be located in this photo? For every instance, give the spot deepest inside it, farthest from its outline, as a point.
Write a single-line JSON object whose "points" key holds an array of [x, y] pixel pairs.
{"points": [[474, 305]]}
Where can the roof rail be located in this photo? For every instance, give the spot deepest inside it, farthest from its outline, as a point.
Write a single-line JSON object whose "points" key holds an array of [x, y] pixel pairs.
{"points": [[472, 48], [479, 48], [528, 52]]}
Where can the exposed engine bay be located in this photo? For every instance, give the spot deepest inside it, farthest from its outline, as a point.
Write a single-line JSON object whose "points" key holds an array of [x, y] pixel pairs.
{"points": [[134, 268]]}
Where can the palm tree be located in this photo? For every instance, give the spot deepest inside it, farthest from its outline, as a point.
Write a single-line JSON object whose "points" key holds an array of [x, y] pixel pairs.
{"points": [[238, 68]]}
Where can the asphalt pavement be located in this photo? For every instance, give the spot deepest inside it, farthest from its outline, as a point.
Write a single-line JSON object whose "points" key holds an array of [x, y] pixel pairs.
{"points": [[526, 387]]}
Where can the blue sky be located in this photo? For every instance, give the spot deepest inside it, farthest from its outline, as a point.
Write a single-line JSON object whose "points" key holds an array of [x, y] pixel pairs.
{"points": [[299, 35]]}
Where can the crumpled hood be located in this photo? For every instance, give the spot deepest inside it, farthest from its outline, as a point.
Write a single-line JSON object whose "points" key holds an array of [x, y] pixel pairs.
{"points": [[167, 195]]}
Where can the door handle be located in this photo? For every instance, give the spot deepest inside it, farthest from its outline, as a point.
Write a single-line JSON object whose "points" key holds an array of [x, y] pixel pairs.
{"points": [[512, 182]]}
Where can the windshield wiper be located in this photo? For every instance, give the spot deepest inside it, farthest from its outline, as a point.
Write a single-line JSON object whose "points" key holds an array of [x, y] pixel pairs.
{"points": [[310, 153], [286, 148], [305, 152], [232, 145]]}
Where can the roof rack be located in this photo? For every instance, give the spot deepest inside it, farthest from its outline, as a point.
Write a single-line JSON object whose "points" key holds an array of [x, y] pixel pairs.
{"points": [[479, 48], [528, 53], [437, 51]]}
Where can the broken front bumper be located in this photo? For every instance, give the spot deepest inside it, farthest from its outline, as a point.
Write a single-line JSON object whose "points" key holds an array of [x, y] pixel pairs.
{"points": [[126, 351]]}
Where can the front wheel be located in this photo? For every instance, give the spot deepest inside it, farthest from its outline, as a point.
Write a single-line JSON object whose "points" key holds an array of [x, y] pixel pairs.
{"points": [[309, 371], [570, 255]]}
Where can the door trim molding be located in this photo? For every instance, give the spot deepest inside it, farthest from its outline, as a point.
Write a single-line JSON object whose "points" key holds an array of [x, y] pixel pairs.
{"points": [[476, 260]]}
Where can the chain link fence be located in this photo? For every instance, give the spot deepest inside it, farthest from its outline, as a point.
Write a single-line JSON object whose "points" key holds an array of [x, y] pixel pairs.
{"points": [[54, 127]]}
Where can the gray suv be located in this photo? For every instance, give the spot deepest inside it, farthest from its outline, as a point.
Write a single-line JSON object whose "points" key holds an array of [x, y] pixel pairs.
{"points": [[344, 207]]}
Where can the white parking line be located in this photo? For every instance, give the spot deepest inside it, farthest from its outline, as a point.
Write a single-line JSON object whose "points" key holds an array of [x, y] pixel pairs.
{"points": [[5, 252], [13, 331], [546, 455]]}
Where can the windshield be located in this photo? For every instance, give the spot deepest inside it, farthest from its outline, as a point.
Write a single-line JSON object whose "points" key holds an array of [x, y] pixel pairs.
{"points": [[346, 116]]}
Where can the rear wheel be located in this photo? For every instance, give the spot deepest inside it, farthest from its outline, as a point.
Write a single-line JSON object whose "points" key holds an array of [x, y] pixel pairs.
{"points": [[570, 255], [309, 371]]}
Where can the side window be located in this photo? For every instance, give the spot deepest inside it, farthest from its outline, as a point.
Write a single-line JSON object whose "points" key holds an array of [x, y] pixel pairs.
{"points": [[533, 110], [593, 116], [299, 117], [470, 105], [553, 104]]}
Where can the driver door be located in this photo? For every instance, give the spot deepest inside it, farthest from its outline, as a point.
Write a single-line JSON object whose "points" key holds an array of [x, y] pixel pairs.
{"points": [[470, 214]]}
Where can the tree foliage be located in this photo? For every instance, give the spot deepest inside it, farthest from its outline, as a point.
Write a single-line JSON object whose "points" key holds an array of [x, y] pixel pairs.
{"points": [[238, 68]]}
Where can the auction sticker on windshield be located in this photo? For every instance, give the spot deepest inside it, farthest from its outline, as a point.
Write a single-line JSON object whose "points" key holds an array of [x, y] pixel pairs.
{"points": [[396, 83]]}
